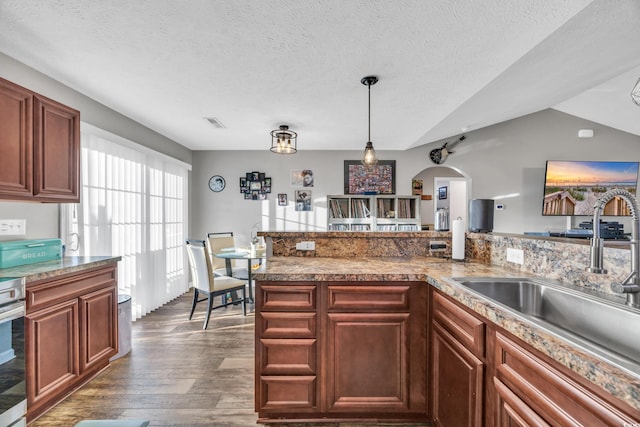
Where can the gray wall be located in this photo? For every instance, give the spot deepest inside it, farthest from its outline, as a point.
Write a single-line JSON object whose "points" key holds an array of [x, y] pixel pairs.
{"points": [[508, 158], [42, 219]]}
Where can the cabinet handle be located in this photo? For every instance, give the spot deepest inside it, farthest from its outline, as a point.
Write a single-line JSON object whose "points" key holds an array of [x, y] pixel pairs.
{"points": [[35, 245]]}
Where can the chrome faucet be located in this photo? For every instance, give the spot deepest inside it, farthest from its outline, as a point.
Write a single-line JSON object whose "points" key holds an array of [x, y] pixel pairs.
{"points": [[631, 284]]}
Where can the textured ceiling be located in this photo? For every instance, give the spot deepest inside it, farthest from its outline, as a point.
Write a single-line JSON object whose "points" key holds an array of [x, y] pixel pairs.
{"points": [[444, 66]]}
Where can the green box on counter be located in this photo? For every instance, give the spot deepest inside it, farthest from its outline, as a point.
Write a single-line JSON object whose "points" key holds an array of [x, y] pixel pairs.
{"points": [[21, 252]]}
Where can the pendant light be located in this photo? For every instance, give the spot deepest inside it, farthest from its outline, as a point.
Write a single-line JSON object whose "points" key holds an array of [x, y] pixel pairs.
{"points": [[284, 141], [369, 157]]}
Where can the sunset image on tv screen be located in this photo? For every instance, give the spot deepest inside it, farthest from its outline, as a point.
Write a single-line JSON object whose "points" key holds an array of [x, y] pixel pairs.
{"points": [[572, 187]]}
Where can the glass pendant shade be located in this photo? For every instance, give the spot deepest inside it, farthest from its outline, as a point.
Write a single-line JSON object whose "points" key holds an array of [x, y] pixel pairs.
{"points": [[284, 141], [369, 157], [635, 93]]}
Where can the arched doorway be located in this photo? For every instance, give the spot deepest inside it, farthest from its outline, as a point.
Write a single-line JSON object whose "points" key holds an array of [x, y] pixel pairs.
{"points": [[448, 187]]}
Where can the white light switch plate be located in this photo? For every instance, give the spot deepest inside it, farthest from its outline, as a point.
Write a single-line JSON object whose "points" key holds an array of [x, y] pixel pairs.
{"points": [[13, 227], [515, 255]]}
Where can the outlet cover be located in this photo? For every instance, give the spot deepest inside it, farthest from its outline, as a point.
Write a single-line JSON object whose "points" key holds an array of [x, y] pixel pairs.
{"points": [[306, 246], [13, 227], [515, 256]]}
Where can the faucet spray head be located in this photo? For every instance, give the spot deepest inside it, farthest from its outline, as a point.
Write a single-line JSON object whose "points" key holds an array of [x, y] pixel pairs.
{"points": [[597, 255]]}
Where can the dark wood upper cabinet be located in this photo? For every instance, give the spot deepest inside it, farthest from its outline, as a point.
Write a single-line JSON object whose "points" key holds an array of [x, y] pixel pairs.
{"points": [[56, 152], [39, 147], [16, 142]]}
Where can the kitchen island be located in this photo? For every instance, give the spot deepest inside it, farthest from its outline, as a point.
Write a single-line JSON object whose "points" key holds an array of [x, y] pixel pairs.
{"points": [[365, 338]]}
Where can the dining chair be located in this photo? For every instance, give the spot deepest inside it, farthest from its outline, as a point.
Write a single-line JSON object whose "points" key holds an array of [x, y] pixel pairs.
{"points": [[217, 243], [204, 281]]}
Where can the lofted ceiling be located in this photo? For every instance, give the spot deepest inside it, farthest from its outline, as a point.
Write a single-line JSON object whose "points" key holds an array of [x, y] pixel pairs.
{"points": [[444, 66]]}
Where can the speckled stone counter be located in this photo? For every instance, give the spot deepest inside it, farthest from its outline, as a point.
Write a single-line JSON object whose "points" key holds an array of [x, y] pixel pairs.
{"points": [[620, 383], [48, 269], [346, 269]]}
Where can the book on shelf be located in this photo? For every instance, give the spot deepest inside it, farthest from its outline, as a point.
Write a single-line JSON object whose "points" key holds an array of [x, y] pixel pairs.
{"points": [[408, 227], [404, 208], [339, 227], [336, 209], [386, 227], [359, 208], [360, 227], [385, 206]]}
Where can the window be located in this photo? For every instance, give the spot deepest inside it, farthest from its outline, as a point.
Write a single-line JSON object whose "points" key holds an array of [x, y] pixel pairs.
{"points": [[134, 204]]}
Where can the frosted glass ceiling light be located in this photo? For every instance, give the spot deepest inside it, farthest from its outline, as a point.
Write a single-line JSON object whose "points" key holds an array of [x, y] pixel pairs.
{"points": [[635, 93], [369, 157], [284, 141]]}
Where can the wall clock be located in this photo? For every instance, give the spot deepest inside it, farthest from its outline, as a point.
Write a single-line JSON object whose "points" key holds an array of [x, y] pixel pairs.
{"points": [[216, 183]]}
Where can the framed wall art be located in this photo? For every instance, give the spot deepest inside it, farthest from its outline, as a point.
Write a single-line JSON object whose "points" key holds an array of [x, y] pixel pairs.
{"points": [[303, 200], [442, 193], [255, 186], [378, 179], [301, 178], [416, 187]]}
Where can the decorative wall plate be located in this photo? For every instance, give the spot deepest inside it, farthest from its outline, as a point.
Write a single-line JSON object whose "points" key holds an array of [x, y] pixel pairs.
{"points": [[217, 183]]}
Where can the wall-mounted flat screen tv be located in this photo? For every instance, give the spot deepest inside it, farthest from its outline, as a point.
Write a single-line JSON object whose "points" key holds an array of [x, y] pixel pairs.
{"points": [[571, 188]]}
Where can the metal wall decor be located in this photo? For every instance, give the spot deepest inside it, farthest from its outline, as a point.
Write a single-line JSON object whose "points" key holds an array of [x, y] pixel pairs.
{"points": [[255, 186]]}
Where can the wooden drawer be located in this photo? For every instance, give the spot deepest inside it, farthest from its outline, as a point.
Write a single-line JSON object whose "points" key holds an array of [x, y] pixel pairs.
{"points": [[465, 327], [287, 325], [512, 411], [550, 394], [367, 297], [48, 292], [288, 356], [287, 393], [287, 297]]}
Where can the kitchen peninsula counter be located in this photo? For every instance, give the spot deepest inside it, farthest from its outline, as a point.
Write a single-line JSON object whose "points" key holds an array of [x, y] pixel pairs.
{"points": [[435, 272]]}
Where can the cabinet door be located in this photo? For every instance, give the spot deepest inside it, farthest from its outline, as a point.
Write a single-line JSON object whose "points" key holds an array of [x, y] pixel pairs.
{"points": [[51, 351], [457, 382], [368, 362], [16, 142], [98, 328], [56, 154]]}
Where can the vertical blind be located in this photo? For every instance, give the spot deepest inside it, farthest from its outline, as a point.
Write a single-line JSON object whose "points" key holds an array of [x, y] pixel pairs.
{"points": [[134, 204]]}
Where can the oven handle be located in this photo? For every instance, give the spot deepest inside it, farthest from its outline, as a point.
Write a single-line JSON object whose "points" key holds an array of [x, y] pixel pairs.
{"points": [[12, 312]]}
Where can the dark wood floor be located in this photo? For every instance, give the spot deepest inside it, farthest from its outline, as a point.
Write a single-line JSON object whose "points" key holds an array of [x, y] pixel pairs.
{"points": [[176, 374]]}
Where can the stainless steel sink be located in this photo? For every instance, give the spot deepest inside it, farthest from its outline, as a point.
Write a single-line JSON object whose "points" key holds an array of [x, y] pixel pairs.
{"points": [[606, 328]]}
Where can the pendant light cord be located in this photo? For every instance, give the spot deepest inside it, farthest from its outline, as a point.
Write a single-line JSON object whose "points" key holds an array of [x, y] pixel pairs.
{"points": [[369, 84]]}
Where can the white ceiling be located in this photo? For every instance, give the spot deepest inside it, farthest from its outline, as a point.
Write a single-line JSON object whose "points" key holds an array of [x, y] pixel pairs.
{"points": [[444, 66]]}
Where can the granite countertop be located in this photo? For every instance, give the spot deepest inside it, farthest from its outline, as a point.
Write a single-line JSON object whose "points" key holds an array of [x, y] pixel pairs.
{"points": [[47, 269], [436, 272]]}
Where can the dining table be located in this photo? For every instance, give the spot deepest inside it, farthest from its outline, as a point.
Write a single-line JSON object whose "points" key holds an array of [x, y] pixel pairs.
{"points": [[239, 254]]}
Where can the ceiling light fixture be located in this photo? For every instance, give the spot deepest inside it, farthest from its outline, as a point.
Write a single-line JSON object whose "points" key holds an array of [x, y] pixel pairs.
{"points": [[369, 157], [284, 141], [635, 93]]}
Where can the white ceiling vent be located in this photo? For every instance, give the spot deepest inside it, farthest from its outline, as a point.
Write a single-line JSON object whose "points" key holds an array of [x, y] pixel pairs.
{"points": [[215, 122]]}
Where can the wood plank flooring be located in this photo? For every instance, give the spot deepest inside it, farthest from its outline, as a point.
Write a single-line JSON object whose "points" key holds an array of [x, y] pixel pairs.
{"points": [[177, 374]]}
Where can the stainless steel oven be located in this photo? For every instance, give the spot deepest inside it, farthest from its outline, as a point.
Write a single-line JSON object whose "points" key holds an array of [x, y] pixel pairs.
{"points": [[13, 395]]}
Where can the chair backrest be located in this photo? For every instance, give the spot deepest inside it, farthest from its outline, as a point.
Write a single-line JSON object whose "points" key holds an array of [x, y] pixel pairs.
{"points": [[217, 242], [201, 272]]}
